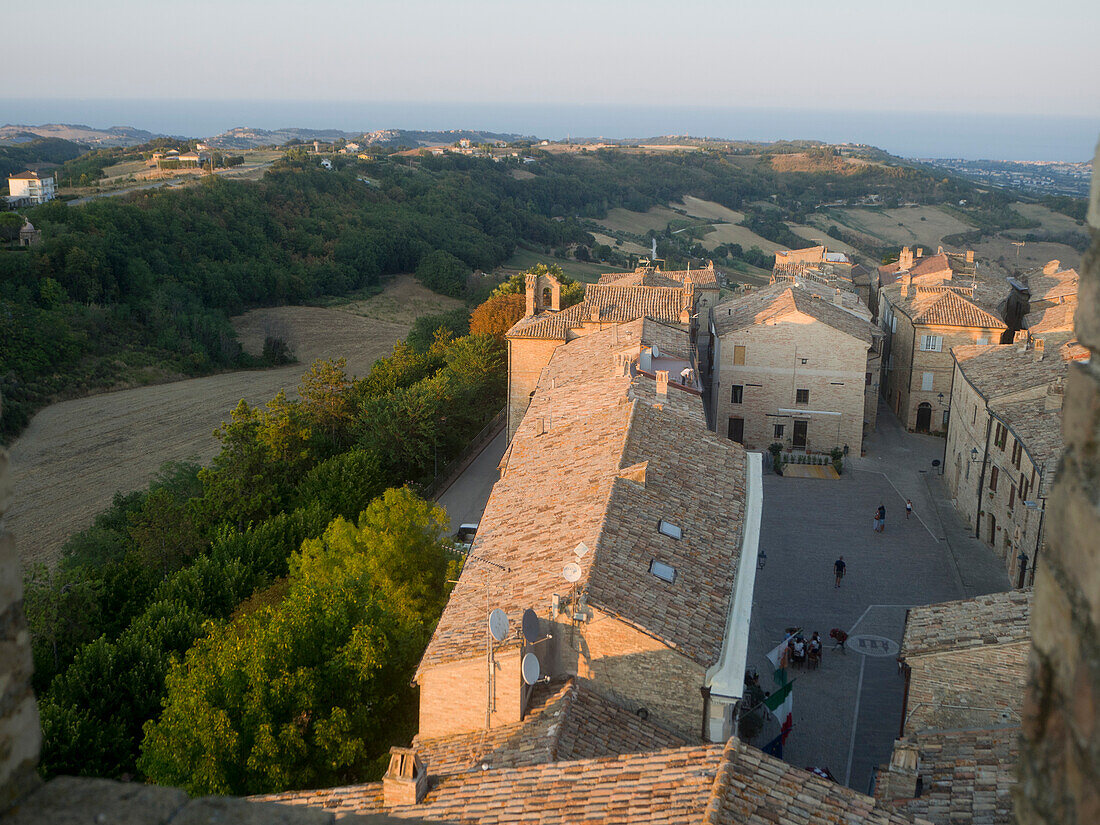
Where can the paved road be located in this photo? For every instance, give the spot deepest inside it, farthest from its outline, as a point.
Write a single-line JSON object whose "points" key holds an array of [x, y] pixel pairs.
{"points": [[465, 499], [847, 713]]}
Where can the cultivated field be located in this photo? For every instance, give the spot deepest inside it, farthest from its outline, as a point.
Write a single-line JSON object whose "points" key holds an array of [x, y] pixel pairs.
{"points": [[1000, 252], [815, 235], [710, 210], [75, 455], [1052, 221], [897, 227], [629, 247], [524, 259], [639, 223], [659, 217]]}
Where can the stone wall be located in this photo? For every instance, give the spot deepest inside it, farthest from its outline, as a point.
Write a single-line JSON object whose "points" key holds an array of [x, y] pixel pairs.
{"points": [[1060, 763], [453, 696], [20, 736], [981, 687], [527, 357]]}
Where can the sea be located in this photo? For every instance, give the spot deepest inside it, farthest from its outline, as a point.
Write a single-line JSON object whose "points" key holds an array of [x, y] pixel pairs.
{"points": [[1016, 136]]}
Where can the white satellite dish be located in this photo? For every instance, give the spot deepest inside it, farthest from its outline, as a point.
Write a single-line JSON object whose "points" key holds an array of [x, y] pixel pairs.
{"points": [[498, 624], [571, 572], [531, 626], [581, 550], [531, 669]]}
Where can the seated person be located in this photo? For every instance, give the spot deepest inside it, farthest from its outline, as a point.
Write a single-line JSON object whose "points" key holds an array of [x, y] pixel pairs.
{"points": [[799, 650]]}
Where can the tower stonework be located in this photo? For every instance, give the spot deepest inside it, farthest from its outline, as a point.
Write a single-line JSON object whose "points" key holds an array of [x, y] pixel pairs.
{"points": [[1060, 762]]}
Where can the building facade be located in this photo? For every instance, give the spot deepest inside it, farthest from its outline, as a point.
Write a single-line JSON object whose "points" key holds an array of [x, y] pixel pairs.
{"points": [[36, 187], [1003, 446], [794, 368], [921, 325]]}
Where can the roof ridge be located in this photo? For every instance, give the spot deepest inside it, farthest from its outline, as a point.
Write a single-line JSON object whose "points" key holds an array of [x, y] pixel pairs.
{"points": [[723, 778]]}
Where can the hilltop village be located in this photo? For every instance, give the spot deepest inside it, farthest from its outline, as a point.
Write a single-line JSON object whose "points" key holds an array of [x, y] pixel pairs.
{"points": [[620, 546]]}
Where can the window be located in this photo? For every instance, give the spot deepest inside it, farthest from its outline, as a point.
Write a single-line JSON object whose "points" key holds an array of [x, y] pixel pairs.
{"points": [[737, 393], [946, 413], [1025, 488], [974, 417], [867, 380], [982, 341], [669, 529], [1000, 436], [893, 323], [802, 396], [778, 431], [1011, 496], [926, 382], [738, 355], [993, 473], [665, 572], [736, 430], [1017, 454], [931, 343]]}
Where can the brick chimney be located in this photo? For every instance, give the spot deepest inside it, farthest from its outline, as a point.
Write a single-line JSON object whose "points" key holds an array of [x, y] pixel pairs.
{"points": [[837, 298], [406, 779], [1019, 340], [903, 771], [1055, 394], [1039, 346], [595, 313], [905, 259], [530, 283], [970, 256], [920, 252], [906, 280], [662, 384]]}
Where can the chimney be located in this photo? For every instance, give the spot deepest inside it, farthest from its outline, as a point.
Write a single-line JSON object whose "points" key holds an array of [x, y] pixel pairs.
{"points": [[1055, 393], [920, 252], [970, 256], [837, 299], [406, 779], [531, 284], [903, 771], [662, 384], [1039, 346], [596, 313], [905, 259], [906, 280], [1019, 340]]}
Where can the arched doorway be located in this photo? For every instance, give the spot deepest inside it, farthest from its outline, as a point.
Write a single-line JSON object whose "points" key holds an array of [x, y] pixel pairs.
{"points": [[924, 417]]}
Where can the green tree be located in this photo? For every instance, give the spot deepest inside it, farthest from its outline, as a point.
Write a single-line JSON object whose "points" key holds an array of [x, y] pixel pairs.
{"points": [[300, 693], [444, 273]]}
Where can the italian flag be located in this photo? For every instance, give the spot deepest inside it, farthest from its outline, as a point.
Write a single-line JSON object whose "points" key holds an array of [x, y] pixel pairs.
{"points": [[780, 704]]}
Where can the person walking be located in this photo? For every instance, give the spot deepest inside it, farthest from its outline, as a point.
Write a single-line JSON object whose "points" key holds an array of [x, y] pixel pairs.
{"points": [[880, 519], [908, 508], [839, 567]]}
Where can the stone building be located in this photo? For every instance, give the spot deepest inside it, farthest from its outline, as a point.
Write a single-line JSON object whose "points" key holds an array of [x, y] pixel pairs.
{"points": [[965, 667], [796, 368], [1003, 446], [546, 325], [914, 267], [33, 187], [28, 235], [922, 324], [614, 470]]}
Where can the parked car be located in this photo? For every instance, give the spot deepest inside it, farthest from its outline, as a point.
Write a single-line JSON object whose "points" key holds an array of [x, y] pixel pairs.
{"points": [[464, 538]]}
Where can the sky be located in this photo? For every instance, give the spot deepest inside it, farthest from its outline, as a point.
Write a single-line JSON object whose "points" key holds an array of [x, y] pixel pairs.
{"points": [[882, 56]]}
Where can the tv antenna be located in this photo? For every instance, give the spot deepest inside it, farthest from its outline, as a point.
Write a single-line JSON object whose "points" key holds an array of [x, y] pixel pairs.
{"points": [[532, 632], [532, 670], [1018, 244]]}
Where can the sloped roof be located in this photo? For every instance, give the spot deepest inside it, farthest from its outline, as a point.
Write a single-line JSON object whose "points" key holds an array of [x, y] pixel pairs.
{"points": [[731, 784], [705, 277], [774, 302], [564, 721], [994, 619], [967, 777], [1052, 286], [941, 307], [29, 175], [996, 370], [615, 303], [1039, 430], [1057, 318], [564, 486]]}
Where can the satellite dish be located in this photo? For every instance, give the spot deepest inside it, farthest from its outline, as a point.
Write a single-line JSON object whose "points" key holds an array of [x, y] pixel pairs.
{"points": [[531, 669], [498, 624], [571, 572], [530, 626], [581, 550]]}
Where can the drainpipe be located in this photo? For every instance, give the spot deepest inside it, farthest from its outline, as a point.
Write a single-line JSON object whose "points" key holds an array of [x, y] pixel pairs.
{"points": [[981, 478], [1039, 536]]}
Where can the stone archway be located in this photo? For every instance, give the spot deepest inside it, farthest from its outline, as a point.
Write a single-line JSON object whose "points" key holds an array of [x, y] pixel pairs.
{"points": [[924, 417]]}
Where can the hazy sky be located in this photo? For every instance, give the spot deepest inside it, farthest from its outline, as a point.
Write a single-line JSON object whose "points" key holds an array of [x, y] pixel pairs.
{"points": [[938, 55]]}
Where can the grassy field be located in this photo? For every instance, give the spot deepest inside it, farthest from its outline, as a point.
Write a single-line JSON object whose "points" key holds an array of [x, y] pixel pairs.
{"points": [[896, 227], [629, 247], [639, 223], [815, 235], [659, 217], [74, 455], [710, 210], [1000, 253], [579, 270]]}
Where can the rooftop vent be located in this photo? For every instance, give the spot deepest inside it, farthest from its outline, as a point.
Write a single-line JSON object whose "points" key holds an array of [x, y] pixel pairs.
{"points": [[669, 529], [665, 572]]}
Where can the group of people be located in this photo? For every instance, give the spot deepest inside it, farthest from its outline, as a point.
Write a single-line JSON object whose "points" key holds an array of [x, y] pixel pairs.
{"points": [[880, 515], [800, 650]]}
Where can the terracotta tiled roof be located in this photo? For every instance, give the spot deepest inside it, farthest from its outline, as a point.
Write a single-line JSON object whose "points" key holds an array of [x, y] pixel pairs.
{"points": [[732, 784], [29, 175], [753, 788], [999, 370], [1052, 286], [564, 721], [705, 277], [563, 487], [646, 277], [781, 299], [1057, 318], [941, 307], [615, 303], [966, 776], [995, 619]]}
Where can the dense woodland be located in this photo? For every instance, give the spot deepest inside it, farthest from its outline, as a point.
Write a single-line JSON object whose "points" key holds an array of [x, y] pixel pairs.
{"points": [[253, 625]]}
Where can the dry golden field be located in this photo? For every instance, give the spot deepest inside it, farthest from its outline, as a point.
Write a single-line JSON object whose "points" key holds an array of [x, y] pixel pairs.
{"points": [[75, 455], [1000, 253], [897, 226], [639, 223], [710, 210], [815, 235]]}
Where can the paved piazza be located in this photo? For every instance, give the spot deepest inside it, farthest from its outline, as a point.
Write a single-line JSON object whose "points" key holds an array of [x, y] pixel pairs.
{"points": [[848, 712]]}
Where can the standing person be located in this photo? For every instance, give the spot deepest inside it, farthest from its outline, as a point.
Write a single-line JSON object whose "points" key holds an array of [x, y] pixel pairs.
{"points": [[880, 518], [838, 567], [908, 508]]}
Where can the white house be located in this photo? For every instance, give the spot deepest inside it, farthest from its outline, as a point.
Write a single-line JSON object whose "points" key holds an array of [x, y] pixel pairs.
{"points": [[36, 187]]}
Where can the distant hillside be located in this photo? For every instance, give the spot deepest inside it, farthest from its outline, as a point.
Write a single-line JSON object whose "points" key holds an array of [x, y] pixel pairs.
{"points": [[99, 138], [36, 153], [243, 137]]}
